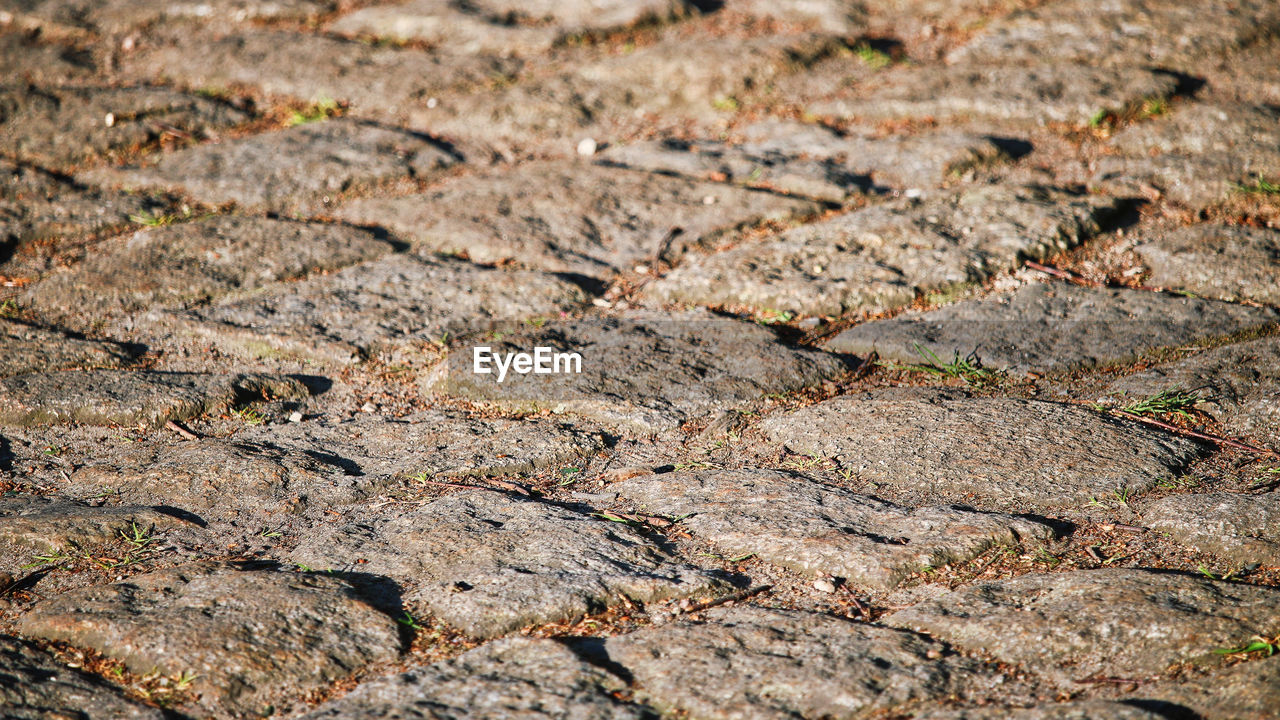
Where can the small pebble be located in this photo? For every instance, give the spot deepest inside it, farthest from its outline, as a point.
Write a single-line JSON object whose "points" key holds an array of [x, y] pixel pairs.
{"points": [[368, 407], [587, 147], [824, 585], [295, 417], [109, 120], [709, 200]]}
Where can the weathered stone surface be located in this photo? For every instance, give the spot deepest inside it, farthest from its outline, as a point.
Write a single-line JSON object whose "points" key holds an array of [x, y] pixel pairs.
{"points": [[194, 262], [674, 76], [571, 217], [1239, 385], [1244, 528], [803, 525], [123, 397], [30, 59], [1118, 32], [490, 564], [884, 256], [65, 126], [294, 169], [1226, 262], [498, 27], [1109, 622], [1005, 452], [1248, 690], [1046, 92], [844, 18], [375, 79], [35, 524], [394, 299], [815, 161], [317, 464], [38, 687], [115, 16], [439, 442], [218, 478], [1195, 155], [24, 349], [441, 24], [646, 371], [1076, 710], [509, 678], [756, 663], [37, 205], [577, 15], [1054, 326], [254, 639]]}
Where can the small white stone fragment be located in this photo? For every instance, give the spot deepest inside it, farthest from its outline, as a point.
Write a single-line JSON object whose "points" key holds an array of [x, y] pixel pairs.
{"points": [[109, 120], [587, 147], [824, 585], [295, 417], [709, 200], [368, 407]]}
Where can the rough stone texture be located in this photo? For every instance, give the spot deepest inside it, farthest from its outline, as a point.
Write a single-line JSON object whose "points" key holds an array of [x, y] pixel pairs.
{"points": [[1048, 92], [294, 169], [1164, 33], [24, 349], [254, 639], [1076, 710], [114, 16], [499, 27], [439, 442], [646, 371], [844, 18], [375, 79], [1088, 623], [1243, 528], [29, 59], [441, 24], [38, 687], [1054, 326], [757, 663], [37, 205], [815, 161], [365, 307], [510, 678], [1226, 262], [1005, 452], [571, 217], [802, 525], [33, 524], [215, 478], [123, 397], [1239, 385], [884, 256], [65, 126], [577, 15], [1249, 690], [490, 564], [317, 464], [194, 262], [1195, 155], [602, 98]]}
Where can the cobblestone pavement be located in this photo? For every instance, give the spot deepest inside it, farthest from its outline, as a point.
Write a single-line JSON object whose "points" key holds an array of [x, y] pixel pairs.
{"points": [[929, 359]]}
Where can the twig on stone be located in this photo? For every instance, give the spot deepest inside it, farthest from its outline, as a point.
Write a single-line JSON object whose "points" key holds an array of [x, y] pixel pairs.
{"points": [[1069, 277], [1191, 433], [185, 433], [1123, 528], [731, 597]]}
